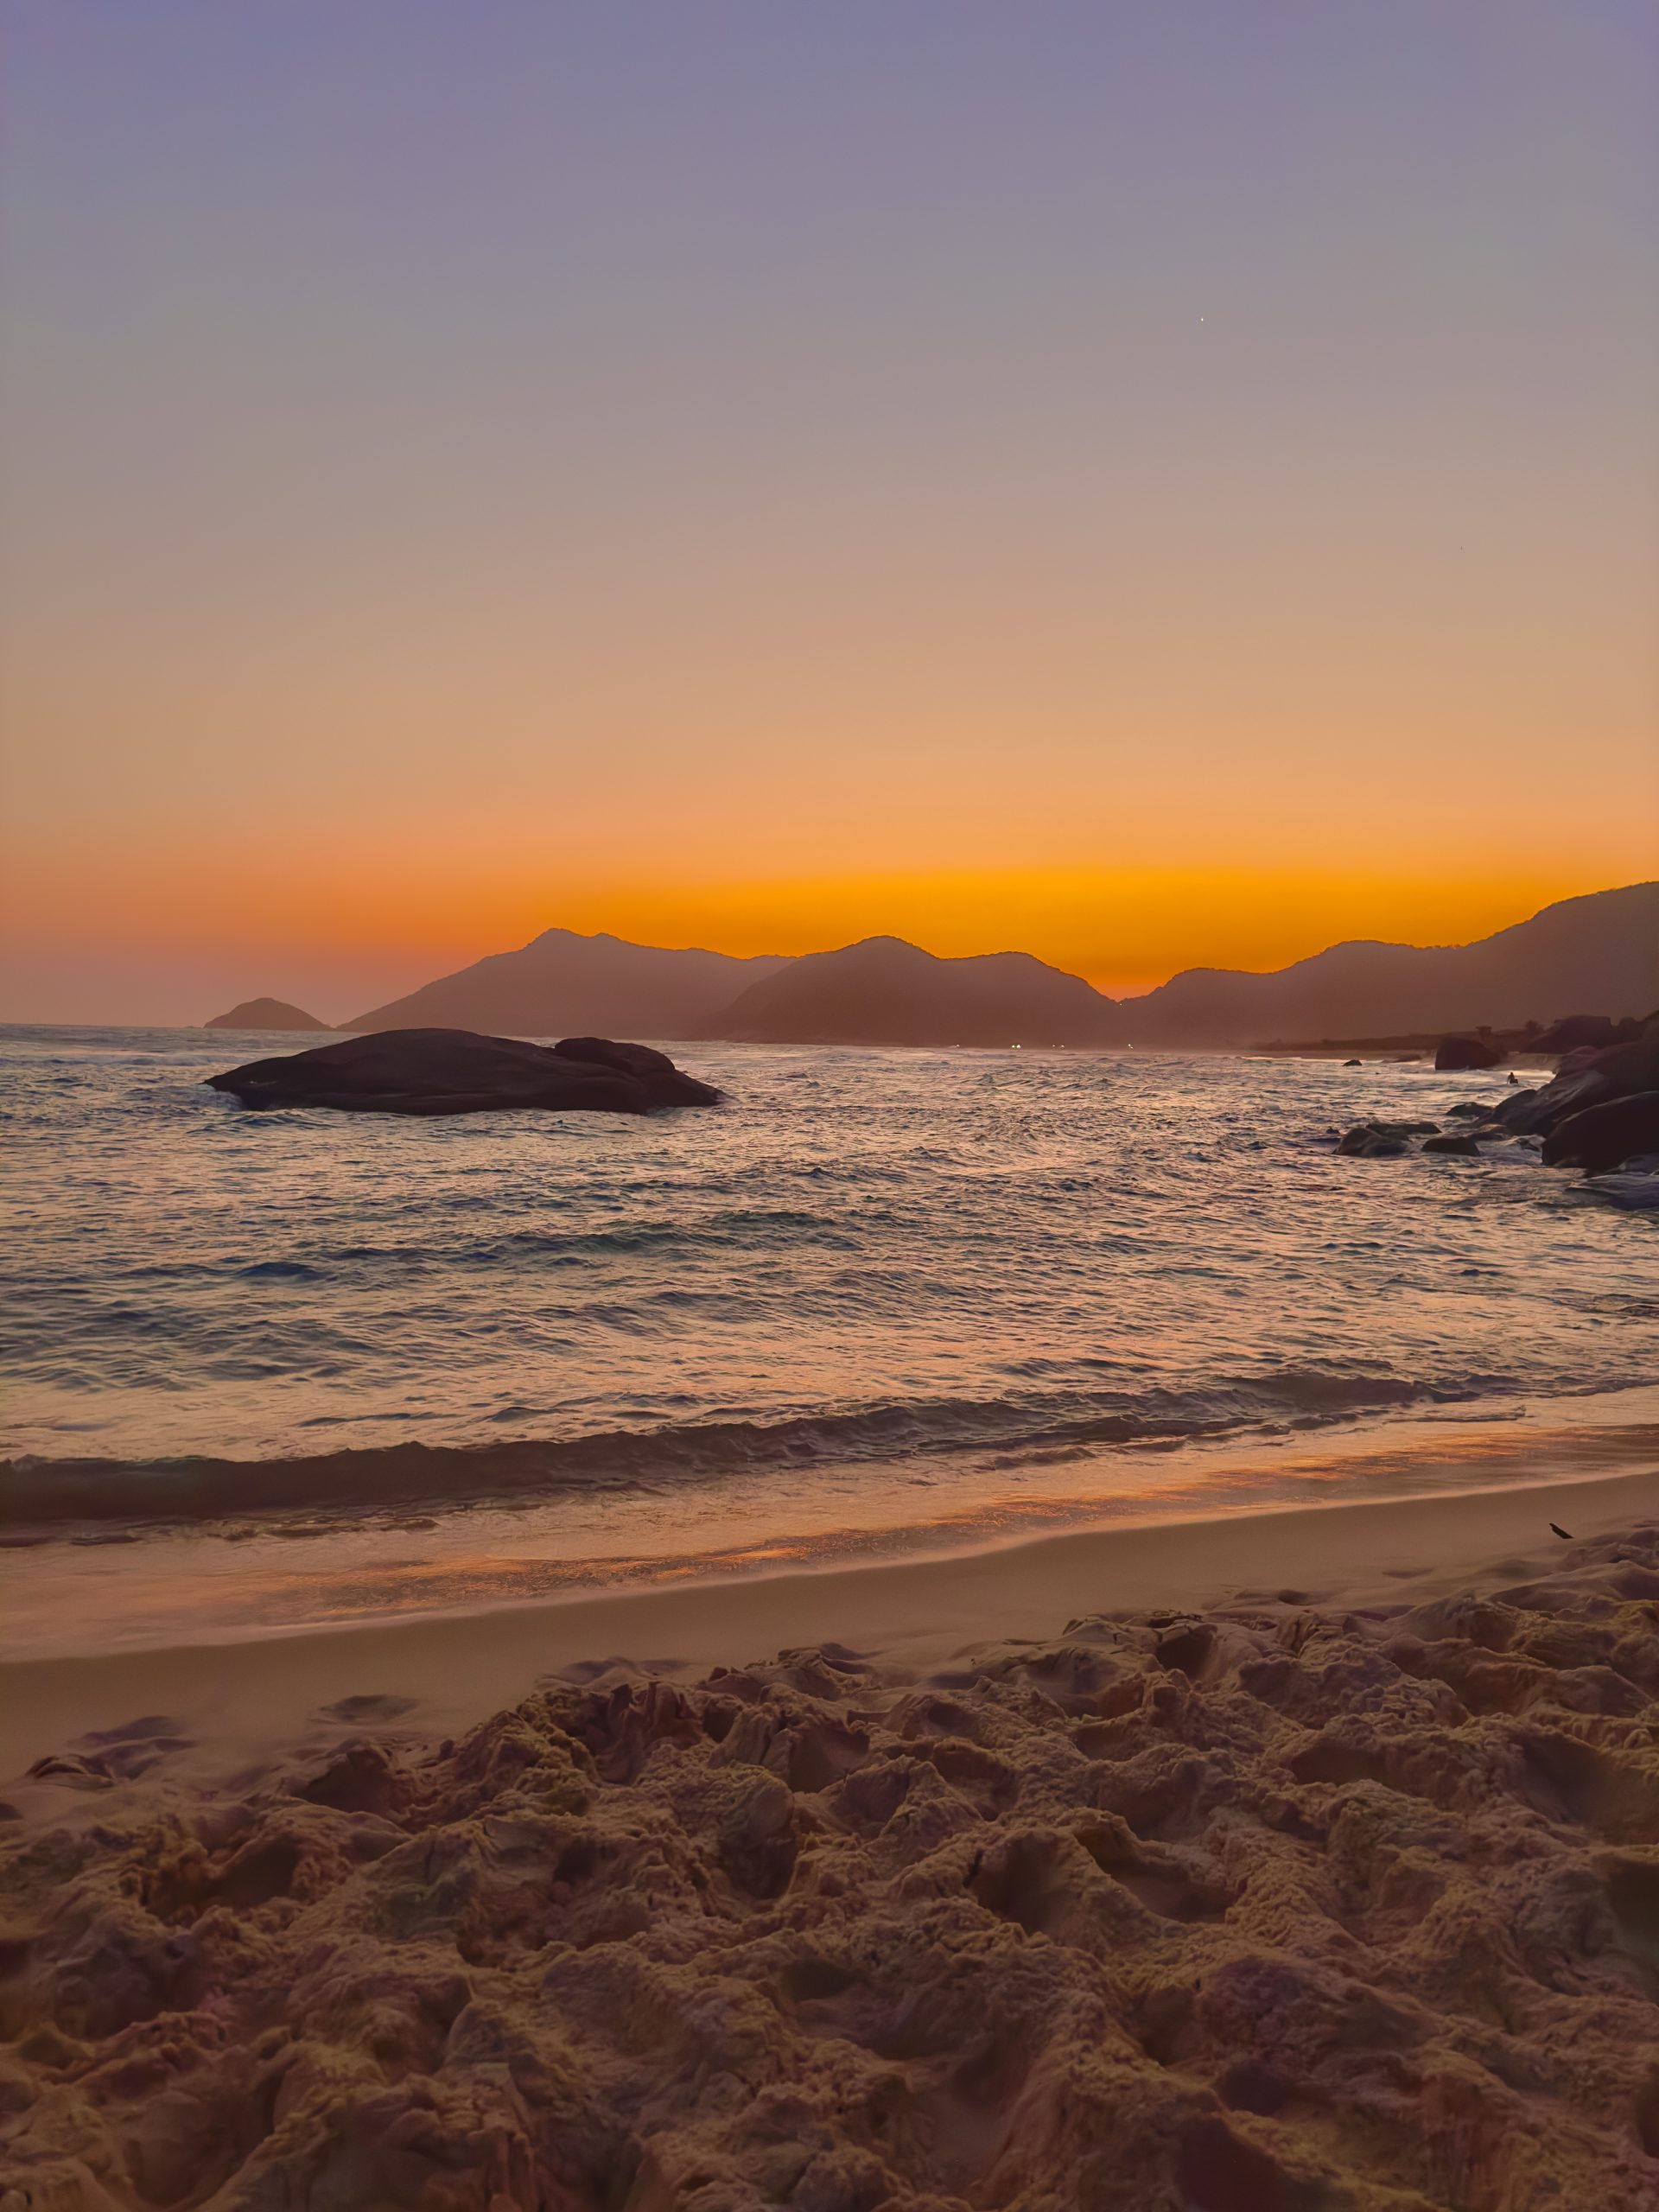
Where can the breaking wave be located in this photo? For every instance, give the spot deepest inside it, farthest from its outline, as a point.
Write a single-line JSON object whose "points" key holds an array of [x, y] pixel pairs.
{"points": [[37, 1491]]}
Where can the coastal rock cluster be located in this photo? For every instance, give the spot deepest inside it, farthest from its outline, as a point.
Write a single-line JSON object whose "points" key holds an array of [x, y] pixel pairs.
{"points": [[1274, 1909], [1600, 1113], [438, 1071]]}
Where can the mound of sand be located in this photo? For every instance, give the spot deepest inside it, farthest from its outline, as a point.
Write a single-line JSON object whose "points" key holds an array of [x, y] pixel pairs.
{"points": [[1273, 1909]]}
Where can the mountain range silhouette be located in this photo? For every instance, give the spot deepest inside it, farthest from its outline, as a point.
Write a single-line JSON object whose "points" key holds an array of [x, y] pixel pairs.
{"points": [[1597, 954]]}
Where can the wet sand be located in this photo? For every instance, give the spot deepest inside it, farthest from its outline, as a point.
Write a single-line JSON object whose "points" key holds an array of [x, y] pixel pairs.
{"points": [[457, 1665], [1306, 1861]]}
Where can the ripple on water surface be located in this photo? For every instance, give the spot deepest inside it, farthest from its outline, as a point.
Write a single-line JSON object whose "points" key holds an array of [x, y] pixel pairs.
{"points": [[864, 1255]]}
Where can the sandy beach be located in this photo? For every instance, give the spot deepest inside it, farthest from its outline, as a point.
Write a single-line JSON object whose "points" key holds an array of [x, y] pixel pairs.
{"points": [[829, 1091], [1299, 1860]]}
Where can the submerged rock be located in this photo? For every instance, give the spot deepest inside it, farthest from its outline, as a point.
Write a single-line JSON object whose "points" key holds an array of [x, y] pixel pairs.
{"points": [[1636, 1191], [437, 1071]]}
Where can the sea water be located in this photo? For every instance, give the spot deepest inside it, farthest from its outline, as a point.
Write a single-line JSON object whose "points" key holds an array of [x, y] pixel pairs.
{"points": [[874, 1295]]}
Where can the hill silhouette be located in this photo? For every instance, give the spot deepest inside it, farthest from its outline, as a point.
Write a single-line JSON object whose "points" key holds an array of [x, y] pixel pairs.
{"points": [[562, 983], [265, 1013], [884, 991], [1598, 954]]}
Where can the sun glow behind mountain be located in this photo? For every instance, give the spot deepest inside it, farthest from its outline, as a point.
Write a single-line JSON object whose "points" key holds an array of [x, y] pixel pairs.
{"points": [[345, 939], [1153, 486]]}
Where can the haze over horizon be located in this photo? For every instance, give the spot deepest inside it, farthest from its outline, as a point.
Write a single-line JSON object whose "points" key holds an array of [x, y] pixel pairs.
{"points": [[1150, 488]]}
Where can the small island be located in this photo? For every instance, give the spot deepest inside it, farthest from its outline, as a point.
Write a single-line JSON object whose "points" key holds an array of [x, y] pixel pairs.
{"points": [[265, 1013]]}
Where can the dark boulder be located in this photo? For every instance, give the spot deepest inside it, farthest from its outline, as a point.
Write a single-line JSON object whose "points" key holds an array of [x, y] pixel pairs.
{"points": [[639, 1061], [1471, 1109], [1367, 1144], [1458, 1053], [1369, 1140], [1461, 1147], [1382, 1139], [1514, 1113], [1600, 1137], [1351, 1063], [432, 1072]]}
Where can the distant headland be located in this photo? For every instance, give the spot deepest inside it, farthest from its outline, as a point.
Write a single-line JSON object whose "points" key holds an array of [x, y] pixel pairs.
{"points": [[265, 1013]]}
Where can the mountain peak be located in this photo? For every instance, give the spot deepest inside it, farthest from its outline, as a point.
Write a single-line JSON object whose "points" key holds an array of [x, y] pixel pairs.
{"points": [[884, 990], [1599, 951]]}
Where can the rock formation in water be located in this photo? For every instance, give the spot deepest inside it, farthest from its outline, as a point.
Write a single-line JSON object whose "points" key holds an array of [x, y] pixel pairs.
{"points": [[1278, 1908], [1586, 1077], [1600, 1113], [1464, 1052], [265, 1013], [1598, 1138], [435, 1071]]}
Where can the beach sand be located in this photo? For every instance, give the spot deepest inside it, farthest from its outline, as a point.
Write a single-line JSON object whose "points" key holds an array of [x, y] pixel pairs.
{"points": [[1291, 1861]]}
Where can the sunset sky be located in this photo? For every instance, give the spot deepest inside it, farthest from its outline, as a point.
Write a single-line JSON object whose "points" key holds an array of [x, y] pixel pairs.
{"points": [[1151, 483]]}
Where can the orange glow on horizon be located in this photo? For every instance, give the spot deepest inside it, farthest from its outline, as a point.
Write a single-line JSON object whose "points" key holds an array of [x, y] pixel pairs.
{"points": [[1125, 928]]}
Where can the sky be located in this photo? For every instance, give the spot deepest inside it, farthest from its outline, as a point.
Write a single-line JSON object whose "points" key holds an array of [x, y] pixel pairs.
{"points": [[1153, 485]]}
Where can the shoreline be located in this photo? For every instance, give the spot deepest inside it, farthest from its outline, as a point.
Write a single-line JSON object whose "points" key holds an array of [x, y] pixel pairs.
{"points": [[85, 1589], [448, 1668]]}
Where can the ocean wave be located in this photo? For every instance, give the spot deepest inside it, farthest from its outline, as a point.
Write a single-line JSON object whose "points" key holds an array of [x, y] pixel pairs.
{"points": [[908, 1254], [36, 1490]]}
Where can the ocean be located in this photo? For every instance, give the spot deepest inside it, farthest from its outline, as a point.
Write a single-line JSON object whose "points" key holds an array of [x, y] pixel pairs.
{"points": [[263, 1370]]}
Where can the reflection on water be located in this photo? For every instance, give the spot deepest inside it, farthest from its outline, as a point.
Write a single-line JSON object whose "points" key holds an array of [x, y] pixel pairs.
{"points": [[956, 1294]]}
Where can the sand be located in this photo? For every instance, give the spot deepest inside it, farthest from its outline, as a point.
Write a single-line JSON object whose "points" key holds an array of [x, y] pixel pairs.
{"points": [[1299, 1861]]}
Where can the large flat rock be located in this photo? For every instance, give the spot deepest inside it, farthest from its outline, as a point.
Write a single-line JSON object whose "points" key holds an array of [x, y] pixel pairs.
{"points": [[432, 1072]]}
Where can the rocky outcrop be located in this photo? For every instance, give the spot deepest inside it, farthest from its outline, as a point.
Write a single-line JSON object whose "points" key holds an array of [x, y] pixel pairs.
{"points": [[1600, 1113], [265, 1013], [1605, 1136], [1586, 1078], [437, 1071], [1456, 1053]]}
